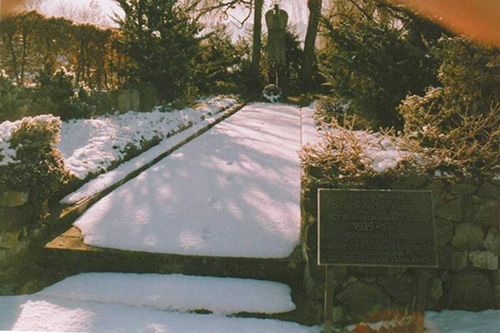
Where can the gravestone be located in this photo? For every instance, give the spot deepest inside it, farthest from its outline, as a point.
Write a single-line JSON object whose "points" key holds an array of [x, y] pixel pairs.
{"points": [[276, 21]]}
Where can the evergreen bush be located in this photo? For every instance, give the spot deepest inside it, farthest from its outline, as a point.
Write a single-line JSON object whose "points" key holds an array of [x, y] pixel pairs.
{"points": [[374, 66], [40, 168], [14, 102]]}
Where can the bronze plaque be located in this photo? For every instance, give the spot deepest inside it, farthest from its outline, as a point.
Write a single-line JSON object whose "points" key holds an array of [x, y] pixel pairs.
{"points": [[376, 228]]}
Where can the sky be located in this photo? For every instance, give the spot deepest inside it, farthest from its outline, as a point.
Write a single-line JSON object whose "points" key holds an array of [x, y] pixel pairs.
{"points": [[296, 9]]}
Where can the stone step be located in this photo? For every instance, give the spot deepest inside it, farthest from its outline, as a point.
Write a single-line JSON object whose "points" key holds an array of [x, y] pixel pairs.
{"points": [[69, 251]]}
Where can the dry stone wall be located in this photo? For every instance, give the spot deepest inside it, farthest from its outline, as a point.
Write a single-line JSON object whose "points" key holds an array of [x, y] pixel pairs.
{"points": [[21, 235], [15, 215], [467, 220]]}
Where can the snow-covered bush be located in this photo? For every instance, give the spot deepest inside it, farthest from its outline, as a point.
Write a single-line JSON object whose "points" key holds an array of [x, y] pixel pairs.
{"points": [[349, 157], [35, 165]]}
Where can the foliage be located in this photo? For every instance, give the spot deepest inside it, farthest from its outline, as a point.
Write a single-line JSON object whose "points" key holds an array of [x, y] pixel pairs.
{"points": [[55, 94], [14, 104], [161, 39], [216, 63], [331, 110], [30, 43], [41, 168], [458, 125], [58, 94], [293, 53], [244, 77], [374, 66]]}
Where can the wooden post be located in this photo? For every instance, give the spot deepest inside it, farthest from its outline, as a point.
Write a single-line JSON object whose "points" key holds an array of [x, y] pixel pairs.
{"points": [[423, 277], [328, 320]]}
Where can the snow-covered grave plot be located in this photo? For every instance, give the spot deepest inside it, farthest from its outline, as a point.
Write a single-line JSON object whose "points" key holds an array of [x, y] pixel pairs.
{"points": [[136, 303], [109, 178], [233, 192], [92, 145]]}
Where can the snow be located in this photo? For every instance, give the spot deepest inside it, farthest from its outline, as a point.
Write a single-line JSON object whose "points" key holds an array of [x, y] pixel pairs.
{"points": [[221, 296], [112, 302], [462, 321], [310, 134], [7, 154], [448, 321], [379, 151], [105, 180], [50, 314], [232, 192], [92, 145], [109, 178]]}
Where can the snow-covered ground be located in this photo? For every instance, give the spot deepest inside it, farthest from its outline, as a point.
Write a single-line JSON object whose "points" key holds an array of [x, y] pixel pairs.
{"points": [[113, 302], [232, 192], [181, 293], [446, 321], [92, 145]]}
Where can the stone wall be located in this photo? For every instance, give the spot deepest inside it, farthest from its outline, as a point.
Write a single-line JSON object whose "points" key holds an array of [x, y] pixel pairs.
{"points": [[22, 235], [15, 215], [467, 219]]}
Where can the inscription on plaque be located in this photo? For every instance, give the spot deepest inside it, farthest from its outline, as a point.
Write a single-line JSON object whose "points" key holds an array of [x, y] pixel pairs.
{"points": [[376, 228]]}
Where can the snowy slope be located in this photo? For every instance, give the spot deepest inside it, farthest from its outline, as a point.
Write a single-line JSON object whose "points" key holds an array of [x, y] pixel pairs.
{"points": [[232, 192]]}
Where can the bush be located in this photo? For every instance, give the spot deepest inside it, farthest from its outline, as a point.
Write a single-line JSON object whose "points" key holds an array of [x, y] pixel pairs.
{"points": [[58, 94], [458, 125], [338, 112], [40, 169], [216, 63], [374, 66], [14, 103]]}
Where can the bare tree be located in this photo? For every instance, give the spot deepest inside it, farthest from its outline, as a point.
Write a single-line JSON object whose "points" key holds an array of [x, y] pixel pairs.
{"points": [[34, 4], [309, 44], [91, 14]]}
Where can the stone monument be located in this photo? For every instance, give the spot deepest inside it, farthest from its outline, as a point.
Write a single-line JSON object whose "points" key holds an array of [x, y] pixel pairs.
{"points": [[276, 21]]}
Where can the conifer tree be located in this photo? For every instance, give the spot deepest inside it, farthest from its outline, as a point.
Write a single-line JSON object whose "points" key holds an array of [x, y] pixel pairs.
{"points": [[162, 39]]}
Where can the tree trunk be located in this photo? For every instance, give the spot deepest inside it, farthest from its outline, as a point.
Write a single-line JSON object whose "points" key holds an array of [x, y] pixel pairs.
{"points": [[309, 44], [257, 44]]}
